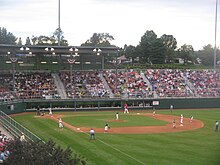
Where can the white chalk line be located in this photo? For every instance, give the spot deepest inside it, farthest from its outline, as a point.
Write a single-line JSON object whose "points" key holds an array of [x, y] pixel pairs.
{"points": [[117, 149]]}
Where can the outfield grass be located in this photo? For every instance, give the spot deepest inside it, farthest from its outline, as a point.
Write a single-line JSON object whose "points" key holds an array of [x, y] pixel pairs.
{"points": [[197, 147]]}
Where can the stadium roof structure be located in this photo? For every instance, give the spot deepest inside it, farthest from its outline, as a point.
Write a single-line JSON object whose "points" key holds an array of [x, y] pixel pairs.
{"points": [[25, 49]]}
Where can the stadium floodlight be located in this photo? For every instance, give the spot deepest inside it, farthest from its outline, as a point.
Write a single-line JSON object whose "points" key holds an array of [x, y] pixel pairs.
{"points": [[75, 49], [24, 48], [97, 51], [49, 49]]}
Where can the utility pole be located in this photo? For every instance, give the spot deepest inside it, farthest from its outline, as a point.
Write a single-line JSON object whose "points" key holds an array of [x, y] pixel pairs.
{"points": [[216, 19]]}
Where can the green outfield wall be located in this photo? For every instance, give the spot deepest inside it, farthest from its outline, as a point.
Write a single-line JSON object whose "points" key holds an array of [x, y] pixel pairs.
{"points": [[108, 104]]}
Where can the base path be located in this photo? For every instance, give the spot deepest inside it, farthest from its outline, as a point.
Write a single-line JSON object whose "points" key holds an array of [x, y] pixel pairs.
{"points": [[187, 125]]}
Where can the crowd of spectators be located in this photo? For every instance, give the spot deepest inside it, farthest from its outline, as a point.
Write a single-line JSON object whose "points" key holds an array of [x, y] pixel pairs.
{"points": [[27, 86], [6, 93], [168, 82], [122, 83], [206, 82], [127, 83], [83, 84], [35, 85], [4, 152]]}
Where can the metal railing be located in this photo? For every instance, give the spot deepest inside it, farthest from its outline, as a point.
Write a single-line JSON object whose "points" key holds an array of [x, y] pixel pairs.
{"points": [[16, 129]]}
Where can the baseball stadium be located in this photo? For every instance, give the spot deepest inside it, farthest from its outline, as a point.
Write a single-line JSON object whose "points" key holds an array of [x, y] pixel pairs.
{"points": [[171, 113], [156, 103]]}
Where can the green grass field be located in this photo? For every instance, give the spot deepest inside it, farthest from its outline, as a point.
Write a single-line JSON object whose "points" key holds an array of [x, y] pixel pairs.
{"points": [[197, 147]]}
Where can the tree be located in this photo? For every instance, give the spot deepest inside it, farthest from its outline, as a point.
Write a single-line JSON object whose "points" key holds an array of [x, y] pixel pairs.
{"points": [[50, 40], [55, 38], [6, 37], [41, 40], [19, 41], [207, 55], [28, 41], [130, 52], [170, 44], [185, 52], [158, 52], [146, 45], [99, 39], [39, 153]]}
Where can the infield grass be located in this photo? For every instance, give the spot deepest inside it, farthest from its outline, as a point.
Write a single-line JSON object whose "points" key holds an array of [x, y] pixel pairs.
{"points": [[195, 147]]}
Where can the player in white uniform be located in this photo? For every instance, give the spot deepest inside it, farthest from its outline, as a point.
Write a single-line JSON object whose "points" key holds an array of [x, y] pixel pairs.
{"points": [[106, 128], [181, 120], [117, 116], [60, 123], [50, 112], [191, 119], [154, 112], [174, 123], [92, 134]]}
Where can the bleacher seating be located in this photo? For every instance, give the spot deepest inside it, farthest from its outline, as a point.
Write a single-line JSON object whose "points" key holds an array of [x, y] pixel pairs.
{"points": [[122, 83]]}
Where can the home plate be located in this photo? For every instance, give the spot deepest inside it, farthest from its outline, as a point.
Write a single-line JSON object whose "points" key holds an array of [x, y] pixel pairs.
{"points": [[138, 113], [78, 128]]}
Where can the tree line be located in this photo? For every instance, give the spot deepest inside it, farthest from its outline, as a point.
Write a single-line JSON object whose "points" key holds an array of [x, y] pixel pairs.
{"points": [[151, 48]]}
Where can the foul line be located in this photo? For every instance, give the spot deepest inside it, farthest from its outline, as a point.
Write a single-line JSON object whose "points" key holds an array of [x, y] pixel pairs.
{"points": [[117, 149]]}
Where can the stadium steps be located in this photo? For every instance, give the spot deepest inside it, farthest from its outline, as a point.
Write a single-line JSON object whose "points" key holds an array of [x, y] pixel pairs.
{"points": [[149, 84], [60, 87], [191, 87], [111, 95]]}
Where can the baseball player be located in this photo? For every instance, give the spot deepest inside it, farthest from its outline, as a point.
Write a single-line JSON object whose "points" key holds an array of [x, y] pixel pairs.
{"points": [[126, 108], [154, 112], [171, 108], [174, 123], [60, 123], [117, 116], [216, 126], [50, 112], [106, 128], [191, 119], [92, 134], [181, 120]]}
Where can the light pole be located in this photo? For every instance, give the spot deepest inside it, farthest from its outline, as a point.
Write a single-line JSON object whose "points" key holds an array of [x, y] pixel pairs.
{"points": [[72, 61], [51, 51], [13, 60], [59, 29], [98, 53], [116, 69], [216, 18]]}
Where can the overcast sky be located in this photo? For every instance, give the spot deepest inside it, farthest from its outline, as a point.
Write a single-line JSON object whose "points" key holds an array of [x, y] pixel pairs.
{"points": [[189, 21]]}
